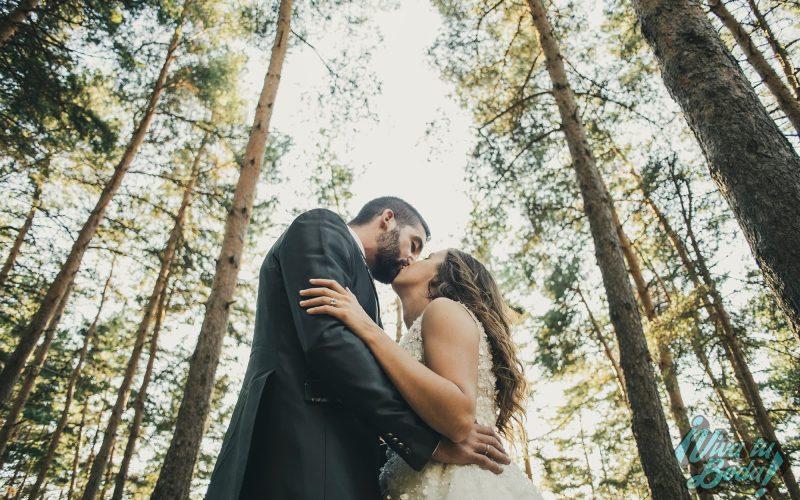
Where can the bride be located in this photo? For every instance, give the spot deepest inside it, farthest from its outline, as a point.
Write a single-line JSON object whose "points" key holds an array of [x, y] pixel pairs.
{"points": [[456, 365]]}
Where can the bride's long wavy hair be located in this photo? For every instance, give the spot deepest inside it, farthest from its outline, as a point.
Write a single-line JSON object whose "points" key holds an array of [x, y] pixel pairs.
{"points": [[463, 278]]}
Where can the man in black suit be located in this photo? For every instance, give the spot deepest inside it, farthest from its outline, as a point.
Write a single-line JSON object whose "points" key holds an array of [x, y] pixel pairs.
{"points": [[314, 400]]}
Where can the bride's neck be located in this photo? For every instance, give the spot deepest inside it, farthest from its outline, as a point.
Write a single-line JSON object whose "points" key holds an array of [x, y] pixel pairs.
{"points": [[414, 300]]}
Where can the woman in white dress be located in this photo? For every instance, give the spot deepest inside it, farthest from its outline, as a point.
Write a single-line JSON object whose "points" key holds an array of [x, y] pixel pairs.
{"points": [[456, 365]]}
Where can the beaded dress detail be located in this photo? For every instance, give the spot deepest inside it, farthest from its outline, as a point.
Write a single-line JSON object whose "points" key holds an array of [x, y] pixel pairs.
{"points": [[438, 481]]}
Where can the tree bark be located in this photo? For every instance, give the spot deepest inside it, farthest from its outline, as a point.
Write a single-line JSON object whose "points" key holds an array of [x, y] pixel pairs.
{"points": [[10, 23], [783, 95], [751, 161], [12, 422], [44, 465], [175, 476], [647, 417], [159, 288], [777, 48], [20, 238], [30, 335]]}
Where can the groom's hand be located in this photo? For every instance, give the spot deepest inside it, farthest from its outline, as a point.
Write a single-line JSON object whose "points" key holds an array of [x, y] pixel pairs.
{"points": [[482, 448]]}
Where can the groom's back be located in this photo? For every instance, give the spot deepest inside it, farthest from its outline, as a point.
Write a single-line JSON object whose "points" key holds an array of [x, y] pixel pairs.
{"points": [[288, 439]]}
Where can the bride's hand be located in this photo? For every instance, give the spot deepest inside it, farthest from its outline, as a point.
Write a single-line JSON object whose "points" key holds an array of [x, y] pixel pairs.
{"points": [[331, 298]]}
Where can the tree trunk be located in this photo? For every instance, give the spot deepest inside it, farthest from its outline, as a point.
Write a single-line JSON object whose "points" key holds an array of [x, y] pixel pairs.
{"points": [[29, 381], [167, 257], [106, 406], [176, 474], [107, 476], [752, 162], [526, 455], [712, 302], [777, 48], [10, 23], [20, 238], [141, 399], [76, 456], [44, 465], [666, 364], [783, 95], [647, 417], [30, 335]]}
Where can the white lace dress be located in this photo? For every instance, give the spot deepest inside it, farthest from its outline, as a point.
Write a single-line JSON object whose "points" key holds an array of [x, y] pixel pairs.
{"points": [[438, 481]]}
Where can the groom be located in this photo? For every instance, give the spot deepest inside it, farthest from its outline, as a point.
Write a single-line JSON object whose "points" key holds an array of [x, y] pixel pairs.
{"points": [[314, 400]]}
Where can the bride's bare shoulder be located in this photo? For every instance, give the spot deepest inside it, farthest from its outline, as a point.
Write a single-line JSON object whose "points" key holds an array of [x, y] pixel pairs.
{"points": [[447, 317]]}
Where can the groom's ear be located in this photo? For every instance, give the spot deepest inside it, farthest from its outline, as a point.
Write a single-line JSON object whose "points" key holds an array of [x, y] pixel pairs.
{"points": [[388, 220]]}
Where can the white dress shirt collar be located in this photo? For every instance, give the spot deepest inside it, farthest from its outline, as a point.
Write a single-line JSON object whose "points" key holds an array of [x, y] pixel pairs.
{"points": [[358, 240]]}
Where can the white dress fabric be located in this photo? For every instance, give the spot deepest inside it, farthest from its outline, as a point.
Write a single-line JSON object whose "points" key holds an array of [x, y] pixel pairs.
{"points": [[438, 481]]}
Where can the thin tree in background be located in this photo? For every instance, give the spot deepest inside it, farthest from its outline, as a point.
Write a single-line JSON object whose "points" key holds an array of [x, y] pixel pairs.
{"points": [[102, 458], [733, 346], [175, 477], [647, 417], [141, 399], [163, 305], [59, 287], [752, 162], [11, 22], [782, 93], [697, 270], [44, 464], [23, 231], [77, 453], [777, 48], [12, 421], [619, 377]]}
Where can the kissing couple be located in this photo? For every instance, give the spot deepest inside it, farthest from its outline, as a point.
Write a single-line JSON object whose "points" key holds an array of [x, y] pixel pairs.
{"points": [[332, 408]]}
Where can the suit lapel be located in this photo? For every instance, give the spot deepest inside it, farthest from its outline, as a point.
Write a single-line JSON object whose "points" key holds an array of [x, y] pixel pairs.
{"points": [[371, 280], [374, 291]]}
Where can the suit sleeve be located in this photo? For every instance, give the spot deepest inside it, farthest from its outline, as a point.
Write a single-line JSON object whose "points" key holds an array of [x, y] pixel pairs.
{"points": [[316, 245]]}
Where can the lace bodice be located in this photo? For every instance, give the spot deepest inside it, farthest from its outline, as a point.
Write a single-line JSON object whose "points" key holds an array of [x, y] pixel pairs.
{"points": [[438, 481], [486, 403]]}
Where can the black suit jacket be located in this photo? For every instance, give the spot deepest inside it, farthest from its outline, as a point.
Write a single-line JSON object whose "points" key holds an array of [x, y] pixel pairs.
{"points": [[314, 400]]}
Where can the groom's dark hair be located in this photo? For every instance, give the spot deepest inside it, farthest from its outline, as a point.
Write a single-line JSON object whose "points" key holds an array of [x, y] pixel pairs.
{"points": [[404, 213]]}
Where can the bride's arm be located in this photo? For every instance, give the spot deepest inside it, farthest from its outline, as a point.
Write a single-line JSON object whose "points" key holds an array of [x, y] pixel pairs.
{"points": [[442, 391]]}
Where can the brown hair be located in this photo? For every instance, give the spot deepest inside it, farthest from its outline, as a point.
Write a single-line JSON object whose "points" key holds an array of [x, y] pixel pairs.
{"points": [[463, 278]]}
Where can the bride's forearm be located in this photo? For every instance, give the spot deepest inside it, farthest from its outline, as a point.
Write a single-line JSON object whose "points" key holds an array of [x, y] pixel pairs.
{"points": [[437, 400]]}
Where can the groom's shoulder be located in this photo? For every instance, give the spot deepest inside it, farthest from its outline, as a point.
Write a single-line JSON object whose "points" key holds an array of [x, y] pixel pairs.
{"points": [[318, 218], [320, 213]]}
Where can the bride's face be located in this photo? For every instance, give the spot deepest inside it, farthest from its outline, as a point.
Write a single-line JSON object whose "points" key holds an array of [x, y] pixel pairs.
{"points": [[420, 271]]}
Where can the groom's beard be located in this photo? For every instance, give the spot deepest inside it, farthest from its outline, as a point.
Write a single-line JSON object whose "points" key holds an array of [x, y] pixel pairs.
{"points": [[387, 259]]}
